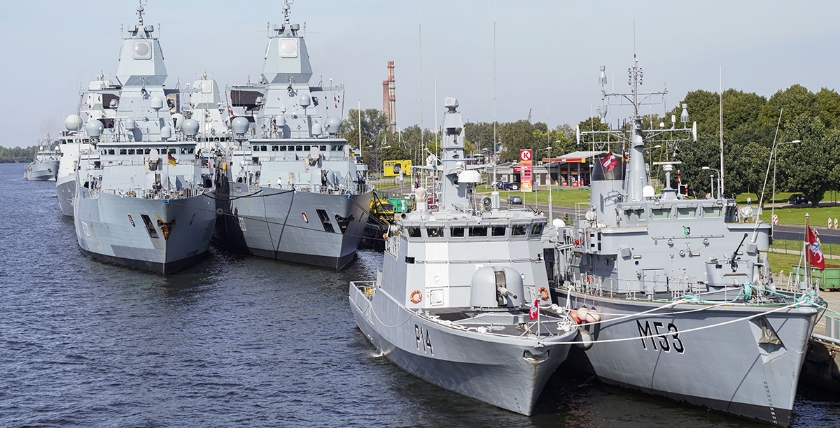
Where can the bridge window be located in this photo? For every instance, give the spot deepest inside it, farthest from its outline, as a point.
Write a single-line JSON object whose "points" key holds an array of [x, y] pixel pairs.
{"points": [[274, 148], [282, 148], [298, 148], [660, 213], [497, 230], [413, 232], [686, 212], [131, 151], [456, 232], [537, 229], [123, 151], [434, 232], [519, 229], [711, 212], [478, 231]]}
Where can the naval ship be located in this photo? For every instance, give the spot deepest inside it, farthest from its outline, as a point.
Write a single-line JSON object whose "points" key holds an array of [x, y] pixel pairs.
{"points": [[688, 308], [289, 189], [457, 302], [73, 144], [141, 197], [45, 165]]}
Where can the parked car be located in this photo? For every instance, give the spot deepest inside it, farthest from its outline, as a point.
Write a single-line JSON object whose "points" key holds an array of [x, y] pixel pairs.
{"points": [[501, 185], [515, 200], [797, 199]]}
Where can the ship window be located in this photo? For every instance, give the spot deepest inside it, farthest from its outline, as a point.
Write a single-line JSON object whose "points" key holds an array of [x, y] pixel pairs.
{"points": [[147, 151], [478, 231], [123, 151], [711, 211], [298, 148], [263, 148], [686, 212], [457, 232], [282, 148], [307, 148], [149, 226], [497, 230], [520, 229], [110, 151], [637, 214], [274, 148], [413, 231], [172, 151], [323, 148], [537, 229], [131, 151], [434, 232], [336, 147], [660, 213]]}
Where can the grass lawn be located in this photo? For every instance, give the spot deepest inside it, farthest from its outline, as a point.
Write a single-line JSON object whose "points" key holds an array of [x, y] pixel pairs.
{"points": [[567, 196]]}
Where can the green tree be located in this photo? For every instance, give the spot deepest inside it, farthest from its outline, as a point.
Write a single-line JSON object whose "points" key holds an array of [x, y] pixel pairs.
{"points": [[810, 166]]}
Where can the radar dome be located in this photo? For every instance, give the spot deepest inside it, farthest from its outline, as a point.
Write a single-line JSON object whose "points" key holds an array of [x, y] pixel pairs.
{"points": [[304, 101], [316, 129], [130, 124], [94, 128], [157, 103], [178, 120], [240, 125], [190, 127], [165, 133], [333, 126], [73, 123]]}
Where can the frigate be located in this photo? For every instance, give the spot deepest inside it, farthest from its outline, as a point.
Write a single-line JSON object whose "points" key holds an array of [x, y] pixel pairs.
{"points": [[688, 309], [289, 188], [457, 302], [45, 165], [141, 198], [73, 145]]}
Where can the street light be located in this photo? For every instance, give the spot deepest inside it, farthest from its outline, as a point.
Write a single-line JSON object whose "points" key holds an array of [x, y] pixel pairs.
{"points": [[773, 201], [711, 182], [549, 184]]}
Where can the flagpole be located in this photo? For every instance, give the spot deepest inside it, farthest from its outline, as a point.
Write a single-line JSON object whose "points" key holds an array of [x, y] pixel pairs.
{"points": [[805, 245]]}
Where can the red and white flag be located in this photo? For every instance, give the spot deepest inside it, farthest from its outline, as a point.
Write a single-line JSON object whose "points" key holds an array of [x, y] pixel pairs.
{"points": [[815, 255], [534, 313], [609, 162], [230, 111]]}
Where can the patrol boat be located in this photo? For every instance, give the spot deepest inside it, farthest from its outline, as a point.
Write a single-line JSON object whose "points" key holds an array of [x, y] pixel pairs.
{"points": [[45, 165], [458, 300], [290, 189], [688, 309], [140, 201]]}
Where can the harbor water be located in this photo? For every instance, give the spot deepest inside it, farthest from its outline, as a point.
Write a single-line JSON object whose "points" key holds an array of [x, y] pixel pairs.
{"points": [[240, 341]]}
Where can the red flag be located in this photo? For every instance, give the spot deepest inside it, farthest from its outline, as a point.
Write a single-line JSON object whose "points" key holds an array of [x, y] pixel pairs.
{"points": [[609, 162], [815, 255], [534, 313]]}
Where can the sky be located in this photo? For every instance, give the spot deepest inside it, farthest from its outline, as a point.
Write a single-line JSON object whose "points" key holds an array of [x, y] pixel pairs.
{"points": [[546, 58]]}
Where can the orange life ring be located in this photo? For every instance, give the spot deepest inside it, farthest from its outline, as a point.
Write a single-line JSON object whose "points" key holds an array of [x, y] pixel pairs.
{"points": [[416, 296], [543, 293]]}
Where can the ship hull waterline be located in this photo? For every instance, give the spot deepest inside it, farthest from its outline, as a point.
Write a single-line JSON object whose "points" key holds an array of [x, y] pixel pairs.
{"points": [[730, 368], [293, 226], [495, 372], [114, 229]]}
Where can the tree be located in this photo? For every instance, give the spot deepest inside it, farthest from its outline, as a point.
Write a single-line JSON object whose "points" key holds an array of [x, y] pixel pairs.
{"points": [[809, 167]]}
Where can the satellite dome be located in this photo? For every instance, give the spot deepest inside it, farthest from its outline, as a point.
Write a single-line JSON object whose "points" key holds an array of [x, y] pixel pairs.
{"points": [[190, 127], [73, 123], [130, 124], [94, 128], [165, 133], [316, 129], [157, 103], [240, 125], [178, 120], [304, 101], [333, 125]]}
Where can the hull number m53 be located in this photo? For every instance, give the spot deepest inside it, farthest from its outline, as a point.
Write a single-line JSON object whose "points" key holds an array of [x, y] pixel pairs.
{"points": [[660, 337]]}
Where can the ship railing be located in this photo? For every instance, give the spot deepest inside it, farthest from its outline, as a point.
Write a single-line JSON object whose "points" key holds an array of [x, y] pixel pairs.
{"points": [[368, 288], [162, 194], [678, 287]]}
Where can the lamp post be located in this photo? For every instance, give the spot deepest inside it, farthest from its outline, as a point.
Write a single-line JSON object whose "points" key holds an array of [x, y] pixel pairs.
{"points": [[773, 201], [711, 184], [548, 169]]}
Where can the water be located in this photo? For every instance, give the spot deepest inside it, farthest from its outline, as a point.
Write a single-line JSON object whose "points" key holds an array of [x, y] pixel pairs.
{"points": [[238, 341]]}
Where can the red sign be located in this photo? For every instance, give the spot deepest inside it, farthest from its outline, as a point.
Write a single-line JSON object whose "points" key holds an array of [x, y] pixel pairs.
{"points": [[525, 155], [525, 174]]}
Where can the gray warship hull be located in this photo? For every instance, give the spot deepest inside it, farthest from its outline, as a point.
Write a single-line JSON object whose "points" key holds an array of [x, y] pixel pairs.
{"points": [[318, 229], [41, 171], [723, 364], [128, 230], [65, 189], [505, 371]]}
